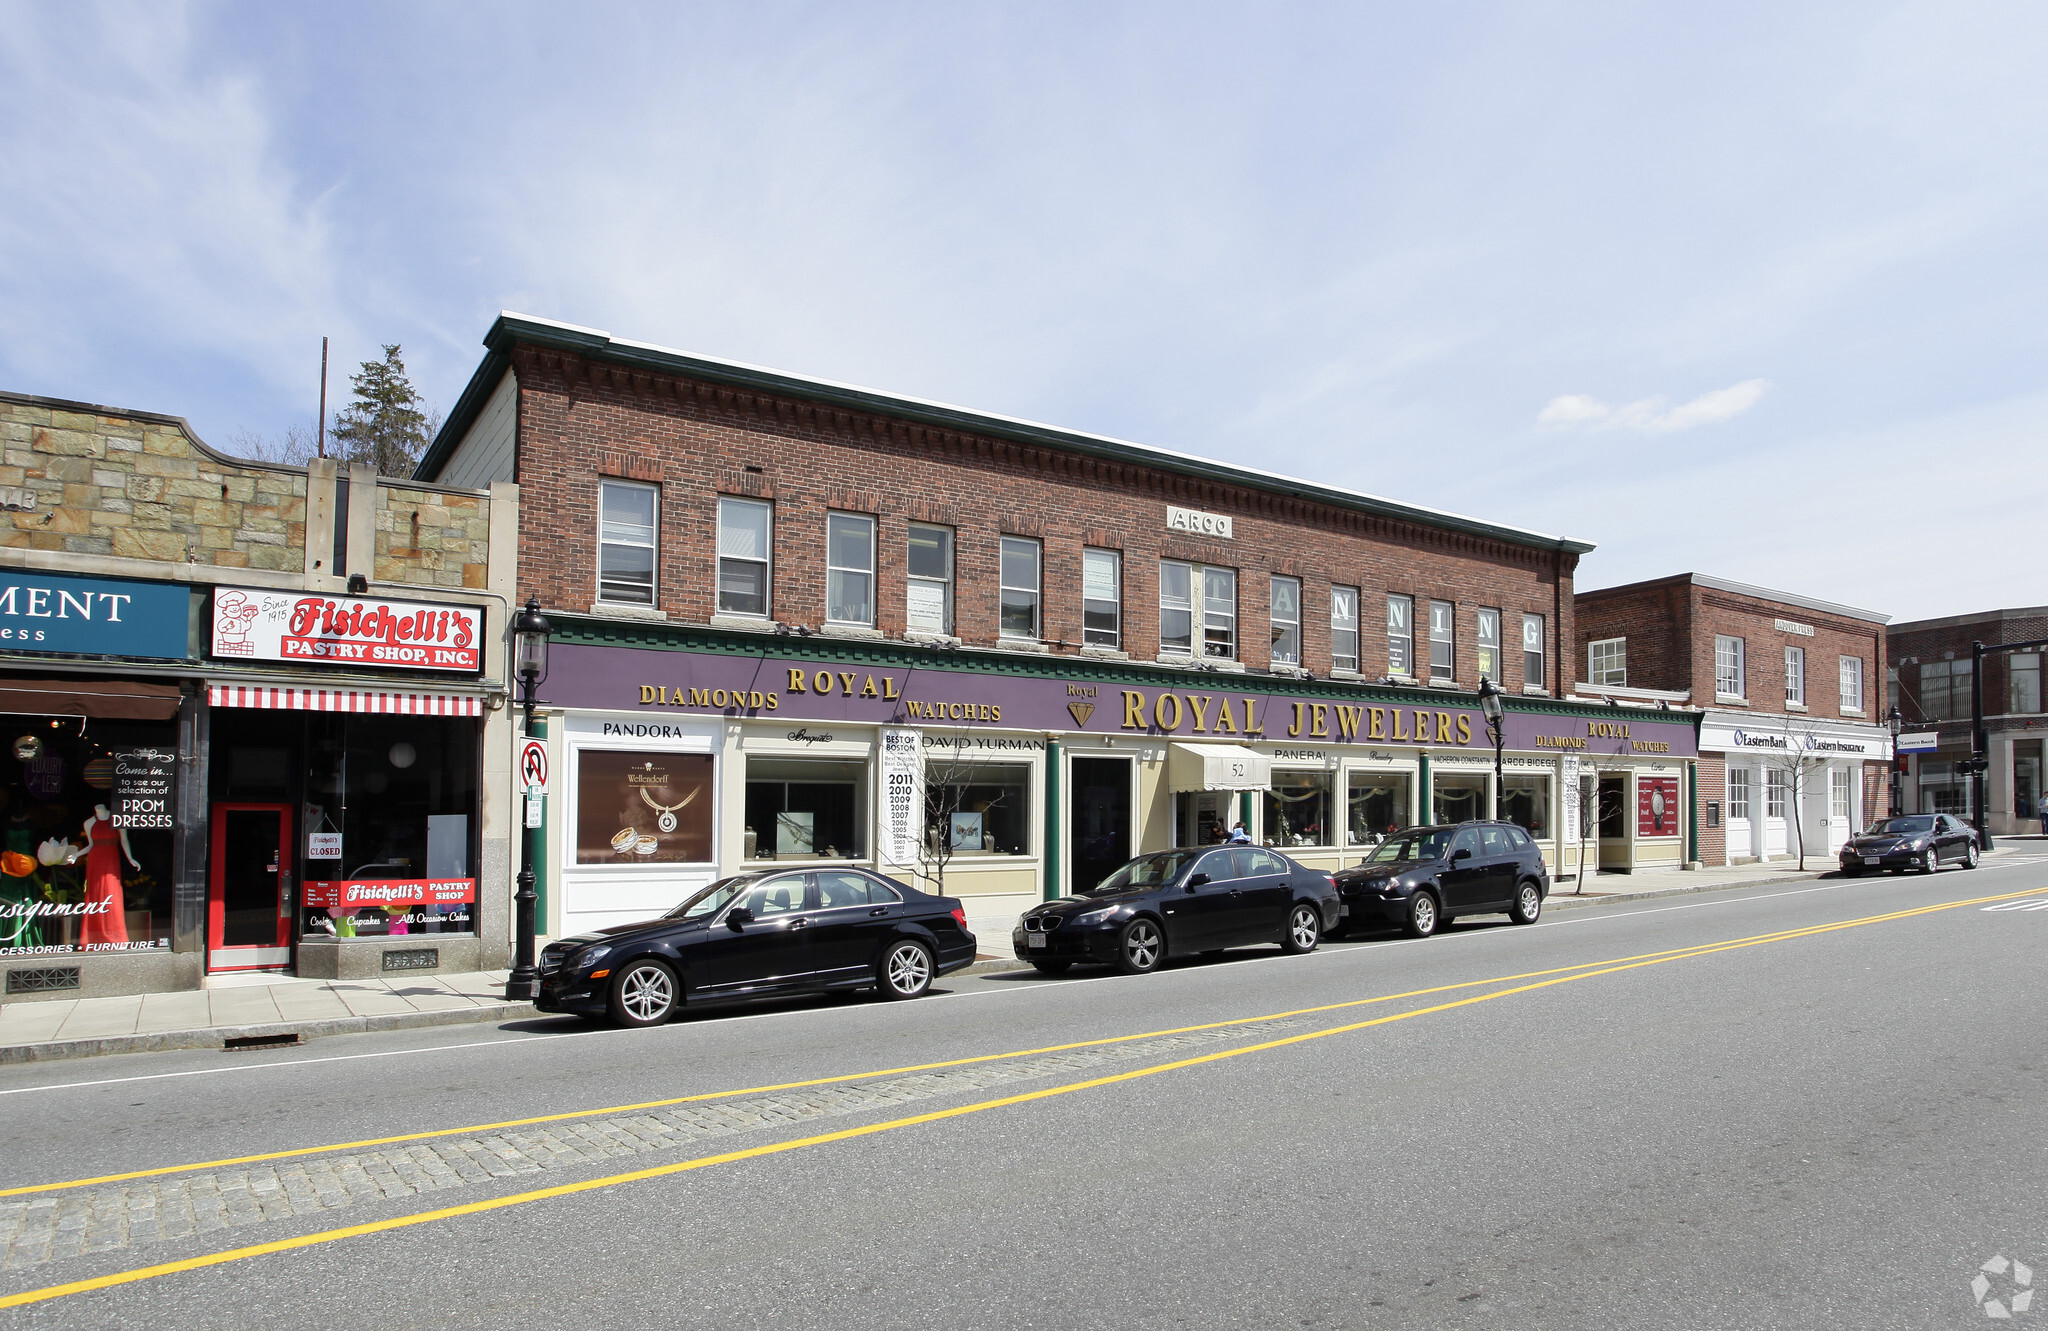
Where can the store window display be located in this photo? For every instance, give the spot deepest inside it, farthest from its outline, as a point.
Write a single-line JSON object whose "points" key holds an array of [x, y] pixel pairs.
{"points": [[1298, 810], [1377, 804]]}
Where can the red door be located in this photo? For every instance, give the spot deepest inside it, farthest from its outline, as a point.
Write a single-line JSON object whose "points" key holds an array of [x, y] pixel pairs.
{"points": [[249, 900]]}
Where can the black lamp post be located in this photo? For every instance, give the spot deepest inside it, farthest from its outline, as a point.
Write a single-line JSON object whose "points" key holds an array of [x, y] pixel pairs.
{"points": [[1896, 723], [530, 662], [1489, 705]]}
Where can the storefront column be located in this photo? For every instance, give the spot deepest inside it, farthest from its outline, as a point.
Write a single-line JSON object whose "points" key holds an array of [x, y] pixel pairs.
{"points": [[1692, 814], [1052, 818], [1426, 812], [1244, 809], [188, 890]]}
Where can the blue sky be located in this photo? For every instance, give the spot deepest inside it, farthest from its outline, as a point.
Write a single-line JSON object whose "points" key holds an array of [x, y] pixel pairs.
{"points": [[1753, 290]]}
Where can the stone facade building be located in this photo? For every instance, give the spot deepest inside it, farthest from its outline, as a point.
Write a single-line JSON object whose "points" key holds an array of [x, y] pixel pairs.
{"points": [[254, 711]]}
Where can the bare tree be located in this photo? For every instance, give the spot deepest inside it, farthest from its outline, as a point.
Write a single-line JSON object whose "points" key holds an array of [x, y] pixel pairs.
{"points": [[945, 787], [1591, 811], [294, 448], [1798, 759]]}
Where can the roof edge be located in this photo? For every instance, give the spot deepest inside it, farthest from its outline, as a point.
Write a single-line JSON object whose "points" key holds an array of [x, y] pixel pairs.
{"points": [[1741, 589], [510, 328], [153, 417]]}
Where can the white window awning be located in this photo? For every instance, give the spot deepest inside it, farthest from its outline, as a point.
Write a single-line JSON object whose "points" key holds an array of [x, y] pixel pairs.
{"points": [[387, 702], [1217, 767]]}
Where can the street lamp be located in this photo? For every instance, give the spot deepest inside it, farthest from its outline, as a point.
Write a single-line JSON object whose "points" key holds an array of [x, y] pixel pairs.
{"points": [[530, 663], [1489, 705], [1895, 722]]}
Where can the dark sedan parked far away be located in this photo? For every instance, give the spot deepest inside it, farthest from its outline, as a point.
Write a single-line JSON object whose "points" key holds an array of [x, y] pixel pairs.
{"points": [[1923, 841], [1175, 902], [1422, 877], [760, 935]]}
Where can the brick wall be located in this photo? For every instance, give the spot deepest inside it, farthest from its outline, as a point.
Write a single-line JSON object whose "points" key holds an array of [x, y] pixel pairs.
{"points": [[1655, 618], [1712, 785], [580, 418], [1912, 644], [141, 487], [432, 538]]}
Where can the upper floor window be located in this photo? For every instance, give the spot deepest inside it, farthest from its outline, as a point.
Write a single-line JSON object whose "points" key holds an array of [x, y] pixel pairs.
{"points": [[1944, 690], [1401, 635], [1286, 621], [1852, 683], [745, 529], [1344, 628], [1532, 650], [2026, 682], [1443, 623], [1607, 661], [1795, 675], [929, 597], [1730, 678], [625, 542], [1180, 587], [849, 568], [1022, 558], [1487, 658], [1102, 598]]}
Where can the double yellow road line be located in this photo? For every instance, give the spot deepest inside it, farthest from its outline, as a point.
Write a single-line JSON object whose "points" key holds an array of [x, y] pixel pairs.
{"points": [[1524, 983]]}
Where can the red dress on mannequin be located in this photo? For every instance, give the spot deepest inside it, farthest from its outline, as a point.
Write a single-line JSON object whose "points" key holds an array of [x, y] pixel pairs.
{"points": [[103, 884]]}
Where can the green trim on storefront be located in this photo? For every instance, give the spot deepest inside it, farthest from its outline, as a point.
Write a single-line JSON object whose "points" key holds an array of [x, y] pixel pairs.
{"points": [[1427, 812], [1052, 819]]}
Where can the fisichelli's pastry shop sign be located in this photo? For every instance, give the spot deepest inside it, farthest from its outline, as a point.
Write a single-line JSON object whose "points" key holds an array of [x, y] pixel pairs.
{"points": [[250, 624]]}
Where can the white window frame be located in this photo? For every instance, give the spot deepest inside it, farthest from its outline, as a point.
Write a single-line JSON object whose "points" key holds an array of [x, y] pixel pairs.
{"points": [[1169, 604], [1607, 662], [1852, 684], [943, 582], [1730, 664], [652, 544], [1795, 676], [1343, 624], [1487, 655], [1112, 637], [1532, 651], [766, 559], [1284, 627], [1005, 589], [1219, 625], [1838, 792], [836, 574], [1401, 635], [1739, 793], [1443, 633], [1777, 792]]}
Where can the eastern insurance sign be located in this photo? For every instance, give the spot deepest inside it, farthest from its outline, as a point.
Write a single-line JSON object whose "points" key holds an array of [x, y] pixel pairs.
{"points": [[250, 624]]}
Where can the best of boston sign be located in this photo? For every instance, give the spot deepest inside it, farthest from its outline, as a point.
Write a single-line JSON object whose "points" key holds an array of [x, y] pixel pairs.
{"points": [[700, 683], [50, 612]]}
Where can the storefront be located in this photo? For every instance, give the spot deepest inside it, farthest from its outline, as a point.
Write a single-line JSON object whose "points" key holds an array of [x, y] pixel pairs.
{"points": [[345, 783], [689, 753], [94, 698], [1792, 781]]}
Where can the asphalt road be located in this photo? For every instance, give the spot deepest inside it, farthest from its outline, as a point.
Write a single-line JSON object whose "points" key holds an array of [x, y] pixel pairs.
{"points": [[1808, 1108]]}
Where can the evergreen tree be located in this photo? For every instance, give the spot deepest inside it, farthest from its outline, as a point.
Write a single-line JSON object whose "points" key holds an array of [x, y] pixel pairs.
{"points": [[384, 426]]}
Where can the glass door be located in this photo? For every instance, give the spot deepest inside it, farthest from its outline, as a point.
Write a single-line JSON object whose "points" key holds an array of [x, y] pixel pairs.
{"points": [[1099, 819], [249, 892]]}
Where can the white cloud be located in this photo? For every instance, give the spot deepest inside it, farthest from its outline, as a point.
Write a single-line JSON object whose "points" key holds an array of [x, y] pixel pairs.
{"points": [[1654, 415]]}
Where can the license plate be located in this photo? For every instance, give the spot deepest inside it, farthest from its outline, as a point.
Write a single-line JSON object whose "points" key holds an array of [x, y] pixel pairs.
{"points": [[1870, 859], [1342, 911], [1034, 940]]}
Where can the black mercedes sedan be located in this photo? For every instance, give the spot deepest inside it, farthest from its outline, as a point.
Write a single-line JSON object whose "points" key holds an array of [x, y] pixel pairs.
{"points": [[1923, 841], [1174, 902], [760, 935], [1422, 877]]}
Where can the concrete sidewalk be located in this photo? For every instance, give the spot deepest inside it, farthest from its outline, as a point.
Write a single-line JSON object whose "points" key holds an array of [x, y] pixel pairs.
{"points": [[258, 1007]]}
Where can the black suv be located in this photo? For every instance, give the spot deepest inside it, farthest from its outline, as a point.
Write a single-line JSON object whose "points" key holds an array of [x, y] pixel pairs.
{"points": [[1421, 877]]}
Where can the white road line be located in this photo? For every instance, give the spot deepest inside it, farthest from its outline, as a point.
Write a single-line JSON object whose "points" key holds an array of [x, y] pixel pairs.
{"points": [[817, 1013]]}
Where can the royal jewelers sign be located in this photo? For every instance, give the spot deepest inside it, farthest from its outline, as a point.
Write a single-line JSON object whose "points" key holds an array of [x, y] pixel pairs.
{"points": [[250, 624]]}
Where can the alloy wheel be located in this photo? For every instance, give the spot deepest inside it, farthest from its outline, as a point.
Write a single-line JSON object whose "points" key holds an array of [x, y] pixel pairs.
{"points": [[1141, 947], [908, 971], [647, 993], [1304, 929], [1528, 904], [1422, 915]]}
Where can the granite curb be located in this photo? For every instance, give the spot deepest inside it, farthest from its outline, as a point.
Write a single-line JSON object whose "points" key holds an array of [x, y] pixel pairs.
{"points": [[216, 1037]]}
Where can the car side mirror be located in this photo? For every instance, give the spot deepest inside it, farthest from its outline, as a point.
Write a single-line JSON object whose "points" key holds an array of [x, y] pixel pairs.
{"points": [[738, 916], [1197, 880], [1461, 853]]}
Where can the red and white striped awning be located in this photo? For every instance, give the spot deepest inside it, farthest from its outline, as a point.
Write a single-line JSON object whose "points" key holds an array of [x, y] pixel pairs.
{"points": [[345, 700]]}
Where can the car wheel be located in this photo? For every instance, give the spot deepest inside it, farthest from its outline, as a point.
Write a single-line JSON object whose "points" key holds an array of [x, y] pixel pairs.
{"points": [[1139, 948], [1304, 929], [1422, 918], [1970, 856], [1051, 967], [906, 970], [1928, 863], [1528, 904], [644, 994]]}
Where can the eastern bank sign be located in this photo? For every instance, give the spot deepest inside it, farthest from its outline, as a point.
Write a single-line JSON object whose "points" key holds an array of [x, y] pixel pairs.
{"points": [[49, 612], [661, 683]]}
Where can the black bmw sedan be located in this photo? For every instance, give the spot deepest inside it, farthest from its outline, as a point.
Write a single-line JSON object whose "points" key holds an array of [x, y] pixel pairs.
{"points": [[1422, 877], [760, 935], [1923, 841], [1174, 902]]}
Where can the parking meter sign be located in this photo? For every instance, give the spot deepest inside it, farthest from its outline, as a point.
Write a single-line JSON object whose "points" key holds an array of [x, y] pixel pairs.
{"points": [[533, 764]]}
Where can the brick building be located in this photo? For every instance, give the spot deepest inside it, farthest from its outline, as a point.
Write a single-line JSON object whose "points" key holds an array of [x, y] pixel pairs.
{"points": [[1792, 749], [811, 615], [1930, 685], [222, 756]]}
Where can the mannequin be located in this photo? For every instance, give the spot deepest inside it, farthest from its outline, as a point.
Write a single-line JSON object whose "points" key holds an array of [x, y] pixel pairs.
{"points": [[103, 881]]}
